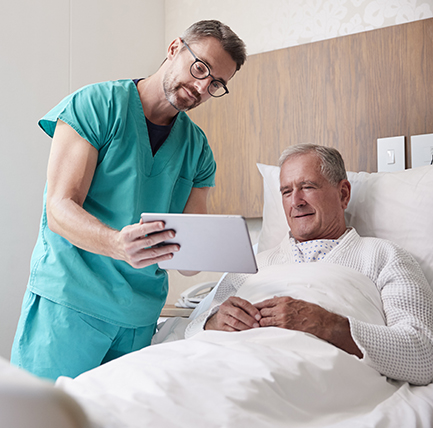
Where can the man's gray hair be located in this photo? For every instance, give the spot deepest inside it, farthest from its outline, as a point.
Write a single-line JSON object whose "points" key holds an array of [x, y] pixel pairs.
{"points": [[230, 42], [331, 161]]}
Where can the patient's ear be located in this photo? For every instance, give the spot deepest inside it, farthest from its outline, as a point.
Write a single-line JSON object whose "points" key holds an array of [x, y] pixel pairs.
{"points": [[345, 188]]}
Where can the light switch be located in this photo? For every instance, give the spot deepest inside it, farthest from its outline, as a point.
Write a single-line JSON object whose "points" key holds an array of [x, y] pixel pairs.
{"points": [[391, 157], [421, 149], [390, 154]]}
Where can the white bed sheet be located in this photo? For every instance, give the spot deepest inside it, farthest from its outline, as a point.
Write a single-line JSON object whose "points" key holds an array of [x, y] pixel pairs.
{"points": [[267, 377], [258, 378]]}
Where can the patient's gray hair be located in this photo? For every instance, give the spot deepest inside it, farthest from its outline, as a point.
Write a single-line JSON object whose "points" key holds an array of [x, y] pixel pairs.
{"points": [[230, 42], [331, 161]]}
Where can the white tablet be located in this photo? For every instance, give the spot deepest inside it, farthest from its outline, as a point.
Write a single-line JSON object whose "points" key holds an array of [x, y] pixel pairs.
{"points": [[213, 243]]}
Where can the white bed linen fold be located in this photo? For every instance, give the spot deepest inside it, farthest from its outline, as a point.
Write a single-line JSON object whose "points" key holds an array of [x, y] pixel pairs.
{"points": [[265, 377], [337, 288], [258, 378]]}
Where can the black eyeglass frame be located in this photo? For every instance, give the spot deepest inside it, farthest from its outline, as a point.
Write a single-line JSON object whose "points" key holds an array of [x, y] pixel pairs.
{"points": [[226, 91]]}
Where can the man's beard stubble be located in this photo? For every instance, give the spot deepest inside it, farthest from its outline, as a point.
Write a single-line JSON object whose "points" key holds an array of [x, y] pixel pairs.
{"points": [[171, 91]]}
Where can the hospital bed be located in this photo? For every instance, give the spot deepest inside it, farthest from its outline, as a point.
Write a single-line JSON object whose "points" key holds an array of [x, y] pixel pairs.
{"points": [[271, 377]]}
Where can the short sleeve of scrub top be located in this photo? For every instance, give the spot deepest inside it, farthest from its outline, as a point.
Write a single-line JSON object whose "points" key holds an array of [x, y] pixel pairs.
{"points": [[128, 180]]}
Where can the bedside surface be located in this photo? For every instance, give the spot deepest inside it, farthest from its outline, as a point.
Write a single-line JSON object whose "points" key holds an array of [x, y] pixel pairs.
{"points": [[174, 311]]}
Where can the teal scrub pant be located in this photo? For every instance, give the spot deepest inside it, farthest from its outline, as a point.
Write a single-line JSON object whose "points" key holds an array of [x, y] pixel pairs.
{"points": [[53, 340]]}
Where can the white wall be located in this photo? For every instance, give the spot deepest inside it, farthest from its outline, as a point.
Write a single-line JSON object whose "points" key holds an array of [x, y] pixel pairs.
{"points": [[275, 24], [49, 48]]}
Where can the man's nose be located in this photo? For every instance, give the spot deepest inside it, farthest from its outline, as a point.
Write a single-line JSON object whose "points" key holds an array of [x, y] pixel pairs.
{"points": [[201, 85], [298, 198]]}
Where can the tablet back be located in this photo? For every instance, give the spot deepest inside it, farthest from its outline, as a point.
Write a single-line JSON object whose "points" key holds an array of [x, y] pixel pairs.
{"points": [[214, 243]]}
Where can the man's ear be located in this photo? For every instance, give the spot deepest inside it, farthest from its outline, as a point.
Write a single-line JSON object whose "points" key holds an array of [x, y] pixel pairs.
{"points": [[345, 189], [174, 48]]}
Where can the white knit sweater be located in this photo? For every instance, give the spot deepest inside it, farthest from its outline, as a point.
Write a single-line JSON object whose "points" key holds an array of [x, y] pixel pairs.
{"points": [[403, 348]]}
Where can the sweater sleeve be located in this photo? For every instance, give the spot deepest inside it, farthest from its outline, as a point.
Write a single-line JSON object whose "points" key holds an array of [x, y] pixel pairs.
{"points": [[403, 348]]}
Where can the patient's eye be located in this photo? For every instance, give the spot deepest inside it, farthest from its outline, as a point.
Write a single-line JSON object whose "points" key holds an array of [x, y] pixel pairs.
{"points": [[308, 186]]}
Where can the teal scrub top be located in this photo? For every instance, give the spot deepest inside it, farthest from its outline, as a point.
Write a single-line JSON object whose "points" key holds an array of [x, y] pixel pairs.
{"points": [[128, 180]]}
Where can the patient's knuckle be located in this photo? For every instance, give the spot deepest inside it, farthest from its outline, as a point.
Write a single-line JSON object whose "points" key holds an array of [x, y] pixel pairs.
{"points": [[264, 322], [286, 300], [224, 306], [236, 323], [237, 312]]}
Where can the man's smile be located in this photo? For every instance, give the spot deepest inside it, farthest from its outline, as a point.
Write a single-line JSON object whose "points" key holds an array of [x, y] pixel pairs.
{"points": [[192, 93], [301, 215]]}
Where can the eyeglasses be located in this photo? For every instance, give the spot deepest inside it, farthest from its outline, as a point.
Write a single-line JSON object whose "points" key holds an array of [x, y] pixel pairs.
{"points": [[200, 70]]}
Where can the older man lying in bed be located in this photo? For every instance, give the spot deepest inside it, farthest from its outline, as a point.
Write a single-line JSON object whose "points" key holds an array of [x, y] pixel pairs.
{"points": [[394, 334]]}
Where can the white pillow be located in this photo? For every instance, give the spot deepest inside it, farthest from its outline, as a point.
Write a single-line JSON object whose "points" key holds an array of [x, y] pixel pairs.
{"points": [[397, 206], [274, 225]]}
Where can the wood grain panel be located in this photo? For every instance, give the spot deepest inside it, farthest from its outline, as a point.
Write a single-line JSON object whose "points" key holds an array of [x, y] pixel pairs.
{"points": [[344, 92]]}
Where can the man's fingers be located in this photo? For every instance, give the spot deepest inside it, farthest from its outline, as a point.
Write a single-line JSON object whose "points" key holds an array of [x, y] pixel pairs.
{"points": [[150, 256], [268, 322], [143, 243], [247, 307], [225, 322], [140, 230], [147, 234], [267, 312], [240, 314], [235, 324], [269, 303]]}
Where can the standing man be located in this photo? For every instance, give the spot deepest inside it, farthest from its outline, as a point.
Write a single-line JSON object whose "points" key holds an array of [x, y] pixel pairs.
{"points": [[119, 149]]}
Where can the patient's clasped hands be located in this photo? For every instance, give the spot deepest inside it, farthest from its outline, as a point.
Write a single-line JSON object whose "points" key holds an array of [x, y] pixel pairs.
{"points": [[237, 314]]}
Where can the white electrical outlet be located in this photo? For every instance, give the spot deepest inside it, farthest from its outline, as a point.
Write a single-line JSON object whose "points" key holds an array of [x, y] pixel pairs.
{"points": [[421, 149], [390, 154]]}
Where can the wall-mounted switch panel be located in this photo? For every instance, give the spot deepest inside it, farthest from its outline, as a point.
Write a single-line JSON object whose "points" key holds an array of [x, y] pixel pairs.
{"points": [[390, 154], [421, 149]]}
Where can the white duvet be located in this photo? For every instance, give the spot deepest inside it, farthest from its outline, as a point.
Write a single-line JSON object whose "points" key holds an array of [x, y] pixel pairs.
{"points": [[266, 377]]}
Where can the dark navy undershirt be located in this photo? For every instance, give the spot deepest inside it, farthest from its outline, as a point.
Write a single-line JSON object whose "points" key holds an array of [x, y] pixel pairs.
{"points": [[157, 133]]}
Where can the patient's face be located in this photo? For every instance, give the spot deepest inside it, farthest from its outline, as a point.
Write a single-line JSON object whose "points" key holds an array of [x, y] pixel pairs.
{"points": [[314, 208]]}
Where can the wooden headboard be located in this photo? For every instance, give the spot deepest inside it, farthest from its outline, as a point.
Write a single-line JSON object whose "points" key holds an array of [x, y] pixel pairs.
{"points": [[344, 92]]}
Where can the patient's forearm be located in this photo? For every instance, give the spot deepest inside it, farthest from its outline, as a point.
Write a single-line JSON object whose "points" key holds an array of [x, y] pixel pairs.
{"points": [[338, 333]]}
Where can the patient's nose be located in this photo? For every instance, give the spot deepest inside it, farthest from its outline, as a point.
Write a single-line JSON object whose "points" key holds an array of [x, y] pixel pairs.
{"points": [[298, 198]]}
